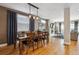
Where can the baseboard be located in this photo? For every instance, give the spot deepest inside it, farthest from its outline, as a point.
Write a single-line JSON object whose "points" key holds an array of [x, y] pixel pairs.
{"points": [[2, 45], [66, 43]]}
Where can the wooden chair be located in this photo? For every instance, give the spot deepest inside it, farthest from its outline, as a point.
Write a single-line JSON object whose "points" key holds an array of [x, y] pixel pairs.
{"points": [[30, 39], [44, 37], [40, 37], [36, 39], [23, 42]]}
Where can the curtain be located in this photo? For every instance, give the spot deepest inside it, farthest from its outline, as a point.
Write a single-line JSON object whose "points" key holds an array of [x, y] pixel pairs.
{"points": [[11, 27], [32, 24]]}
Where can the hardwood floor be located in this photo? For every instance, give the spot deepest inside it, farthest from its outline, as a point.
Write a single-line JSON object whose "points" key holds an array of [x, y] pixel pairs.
{"points": [[55, 47]]}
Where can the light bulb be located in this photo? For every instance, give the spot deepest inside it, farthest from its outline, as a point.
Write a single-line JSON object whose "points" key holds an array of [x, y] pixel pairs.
{"points": [[33, 17], [30, 15], [37, 17]]}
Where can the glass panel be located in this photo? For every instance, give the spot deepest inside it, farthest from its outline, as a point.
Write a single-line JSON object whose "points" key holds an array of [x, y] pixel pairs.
{"points": [[22, 23], [62, 28], [42, 25], [71, 26]]}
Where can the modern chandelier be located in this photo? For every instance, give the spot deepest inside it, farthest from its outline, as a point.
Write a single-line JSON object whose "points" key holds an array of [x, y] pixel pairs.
{"points": [[30, 15]]}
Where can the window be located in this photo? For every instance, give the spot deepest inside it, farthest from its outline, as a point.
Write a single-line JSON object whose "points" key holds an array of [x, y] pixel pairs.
{"points": [[42, 25], [62, 28], [22, 23], [72, 26]]}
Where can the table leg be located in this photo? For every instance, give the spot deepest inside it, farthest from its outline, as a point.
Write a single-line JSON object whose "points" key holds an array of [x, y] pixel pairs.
{"points": [[20, 48]]}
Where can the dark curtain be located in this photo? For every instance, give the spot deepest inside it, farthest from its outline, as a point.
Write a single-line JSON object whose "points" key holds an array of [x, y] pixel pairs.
{"points": [[32, 24], [11, 27]]}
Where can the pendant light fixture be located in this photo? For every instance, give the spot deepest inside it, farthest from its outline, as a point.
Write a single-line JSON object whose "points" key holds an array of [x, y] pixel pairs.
{"points": [[30, 15], [29, 12], [34, 17], [37, 15]]}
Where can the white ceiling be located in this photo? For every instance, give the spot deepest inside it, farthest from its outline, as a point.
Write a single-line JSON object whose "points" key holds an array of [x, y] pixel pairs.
{"points": [[52, 11]]}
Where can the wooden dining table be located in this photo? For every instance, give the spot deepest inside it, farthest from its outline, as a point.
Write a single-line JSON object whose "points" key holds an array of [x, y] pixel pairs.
{"points": [[26, 37]]}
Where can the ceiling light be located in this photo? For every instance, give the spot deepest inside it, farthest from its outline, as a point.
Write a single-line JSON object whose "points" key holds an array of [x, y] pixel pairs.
{"points": [[34, 17], [30, 15], [29, 12], [37, 17]]}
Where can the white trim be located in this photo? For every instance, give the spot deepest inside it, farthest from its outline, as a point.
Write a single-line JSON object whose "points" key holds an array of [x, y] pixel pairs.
{"points": [[2, 45], [66, 43]]}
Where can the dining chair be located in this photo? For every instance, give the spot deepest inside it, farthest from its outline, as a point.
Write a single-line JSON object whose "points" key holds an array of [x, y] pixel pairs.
{"points": [[23, 42]]}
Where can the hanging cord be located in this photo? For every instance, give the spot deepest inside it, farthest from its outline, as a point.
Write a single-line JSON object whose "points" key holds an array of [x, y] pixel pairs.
{"points": [[37, 12], [29, 9]]}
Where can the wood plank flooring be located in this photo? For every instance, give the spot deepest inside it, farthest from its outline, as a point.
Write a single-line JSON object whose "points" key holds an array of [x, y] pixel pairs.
{"points": [[55, 47]]}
